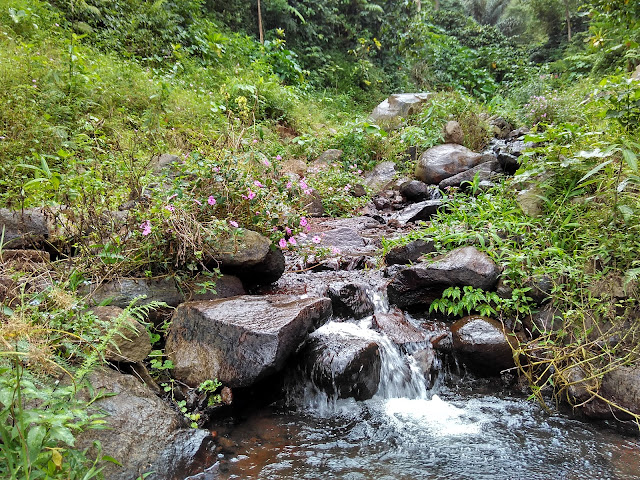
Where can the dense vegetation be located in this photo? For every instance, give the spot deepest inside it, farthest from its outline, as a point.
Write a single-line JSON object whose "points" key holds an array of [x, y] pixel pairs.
{"points": [[92, 90]]}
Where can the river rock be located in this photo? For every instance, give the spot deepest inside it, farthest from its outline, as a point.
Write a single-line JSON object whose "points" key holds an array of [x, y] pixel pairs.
{"points": [[508, 162], [312, 204], [249, 256], [381, 176], [131, 343], [399, 330], [423, 283], [425, 360], [421, 211], [242, 339], [453, 133], [23, 229], [342, 362], [164, 163], [399, 105], [620, 386], [485, 171], [444, 161], [144, 434], [531, 201], [326, 158], [415, 190], [501, 128], [350, 300], [409, 253], [482, 344]]}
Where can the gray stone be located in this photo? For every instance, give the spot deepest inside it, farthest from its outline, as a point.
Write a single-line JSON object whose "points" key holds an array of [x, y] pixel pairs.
{"points": [[144, 434], [164, 163], [485, 171], [453, 133], [23, 229], [249, 256], [531, 201], [381, 176], [483, 345], [444, 161], [390, 112], [423, 283], [399, 330], [415, 190], [312, 204], [409, 253], [242, 339], [341, 362], [350, 300], [501, 128], [131, 343], [421, 211]]}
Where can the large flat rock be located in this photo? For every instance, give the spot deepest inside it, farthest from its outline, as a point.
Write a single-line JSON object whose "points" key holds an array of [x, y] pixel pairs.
{"points": [[444, 161], [240, 340]]}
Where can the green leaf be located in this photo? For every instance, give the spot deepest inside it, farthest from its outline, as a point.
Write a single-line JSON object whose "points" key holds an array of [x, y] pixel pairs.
{"points": [[595, 170], [35, 438], [631, 159], [63, 434]]}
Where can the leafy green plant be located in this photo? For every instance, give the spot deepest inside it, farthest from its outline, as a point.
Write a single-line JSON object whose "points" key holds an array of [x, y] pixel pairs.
{"points": [[468, 300]]}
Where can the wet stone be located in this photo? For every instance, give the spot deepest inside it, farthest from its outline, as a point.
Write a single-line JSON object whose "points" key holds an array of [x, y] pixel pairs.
{"points": [[350, 300], [409, 253], [421, 211], [399, 330]]}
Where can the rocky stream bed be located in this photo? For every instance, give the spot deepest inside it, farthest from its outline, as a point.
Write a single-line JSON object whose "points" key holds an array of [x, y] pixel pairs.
{"points": [[332, 366]]}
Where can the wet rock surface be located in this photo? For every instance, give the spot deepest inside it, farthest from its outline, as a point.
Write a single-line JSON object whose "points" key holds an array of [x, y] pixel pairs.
{"points": [[482, 344], [145, 434], [485, 172], [342, 363], [421, 211], [424, 282], [409, 253], [240, 340], [350, 300], [444, 161], [399, 330]]}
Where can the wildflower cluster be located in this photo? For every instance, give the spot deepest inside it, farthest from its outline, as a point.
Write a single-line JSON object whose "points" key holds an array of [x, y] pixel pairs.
{"points": [[542, 109]]}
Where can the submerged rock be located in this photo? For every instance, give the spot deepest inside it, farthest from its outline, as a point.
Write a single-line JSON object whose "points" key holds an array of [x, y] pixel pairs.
{"points": [[145, 434], [482, 345], [444, 161], [341, 362], [424, 282], [242, 339]]}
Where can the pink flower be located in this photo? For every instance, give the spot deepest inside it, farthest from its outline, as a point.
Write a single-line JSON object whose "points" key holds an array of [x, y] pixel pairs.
{"points": [[308, 191], [146, 227], [335, 250], [307, 229], [197, 201], [289, 184], [278, 157], [303, 184], [292, 241], [251, 195], [255, 140], [303, 222], [347, 187], [258, 184], [359, 172], [287, 231], [216, 169], [172, 197], [282, 243], [211, 200], [233, 223], [266, 162], [316, 239], [171, 208]]}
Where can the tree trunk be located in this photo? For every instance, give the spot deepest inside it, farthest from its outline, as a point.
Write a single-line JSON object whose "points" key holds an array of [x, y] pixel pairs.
{"points": [[567, 17], [260, 24]]}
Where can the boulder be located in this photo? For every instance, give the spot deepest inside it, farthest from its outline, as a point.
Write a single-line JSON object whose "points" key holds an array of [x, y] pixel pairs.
{"points": [[415, 191], [620, 386], [501, 128], [350, 300], [421, 211], [444, 161], [164, 163], [409, 253], [23, 229], [24, 258], [530, 201], [426, 362], [313, 205], [453, 133], [508, 162], [295, 166], [482, 345], [548, 319], [242, 339], [249, 256], [122, 292], [399, 330], [422, 283], [342, 362], [381, 176], [485, 171], [144, 434], [131, 343], [390, 112]]}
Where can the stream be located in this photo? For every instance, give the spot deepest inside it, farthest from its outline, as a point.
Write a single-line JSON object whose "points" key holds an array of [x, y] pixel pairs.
{"points": [[461, 428]]}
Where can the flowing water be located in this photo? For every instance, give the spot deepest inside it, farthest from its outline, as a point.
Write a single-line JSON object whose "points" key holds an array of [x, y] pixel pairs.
{"points": [[453, 431]]}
